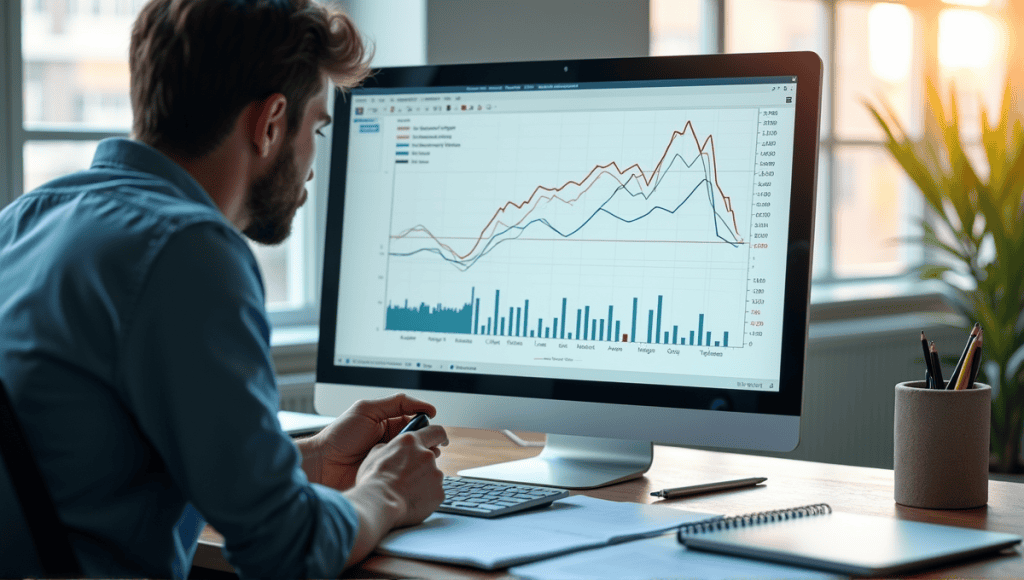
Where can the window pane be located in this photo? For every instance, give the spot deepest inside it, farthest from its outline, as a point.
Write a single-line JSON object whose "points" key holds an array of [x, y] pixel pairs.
{"points": [[775, 25], [46, 160], [680, 27], [282, 265], [972, 56], [781, 25], [875, 60], [873, 205], [76, 62]]}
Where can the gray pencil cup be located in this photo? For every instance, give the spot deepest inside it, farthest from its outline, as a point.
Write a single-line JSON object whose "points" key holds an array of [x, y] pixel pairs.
{"points": [[941, 446]]}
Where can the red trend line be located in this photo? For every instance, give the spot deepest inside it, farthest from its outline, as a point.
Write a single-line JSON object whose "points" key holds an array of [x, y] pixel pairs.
{"points": [[599, 170]]}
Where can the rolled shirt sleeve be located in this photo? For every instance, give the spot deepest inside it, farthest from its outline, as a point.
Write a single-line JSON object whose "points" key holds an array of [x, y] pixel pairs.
{"points": [[199, 379]]}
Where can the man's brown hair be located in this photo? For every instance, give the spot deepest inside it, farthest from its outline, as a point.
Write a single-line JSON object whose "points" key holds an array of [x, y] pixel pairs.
{"points": [[195, 64]]}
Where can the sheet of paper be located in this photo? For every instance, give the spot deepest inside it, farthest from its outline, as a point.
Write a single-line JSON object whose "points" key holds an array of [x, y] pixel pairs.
{"points": [[568, 525], [660, 557], [294, 423]]}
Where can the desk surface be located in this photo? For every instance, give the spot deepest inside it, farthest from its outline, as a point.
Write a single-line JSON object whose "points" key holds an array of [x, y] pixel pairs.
{"points": [[790, 483]]}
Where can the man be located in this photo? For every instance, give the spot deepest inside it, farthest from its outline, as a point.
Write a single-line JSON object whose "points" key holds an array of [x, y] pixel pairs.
{"points": [[134, 339]]}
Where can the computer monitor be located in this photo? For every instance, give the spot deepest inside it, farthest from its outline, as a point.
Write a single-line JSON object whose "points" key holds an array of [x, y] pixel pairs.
{"points": [[613, 252]]}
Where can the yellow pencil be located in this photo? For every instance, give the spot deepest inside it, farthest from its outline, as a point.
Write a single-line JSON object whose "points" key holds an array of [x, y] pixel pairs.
{"points": [[964, 379]]}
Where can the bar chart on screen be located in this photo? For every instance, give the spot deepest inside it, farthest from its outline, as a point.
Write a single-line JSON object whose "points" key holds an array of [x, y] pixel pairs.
{"points": [[616, 227]]}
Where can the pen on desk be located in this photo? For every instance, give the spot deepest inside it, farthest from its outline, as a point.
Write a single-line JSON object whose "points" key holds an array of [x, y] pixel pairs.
{"points": [[706, 487], [960, 363], [928, 374], [936, 368]]}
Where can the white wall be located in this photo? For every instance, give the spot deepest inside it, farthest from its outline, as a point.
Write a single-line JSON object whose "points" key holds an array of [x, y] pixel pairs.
{"points": [[505, 30]]}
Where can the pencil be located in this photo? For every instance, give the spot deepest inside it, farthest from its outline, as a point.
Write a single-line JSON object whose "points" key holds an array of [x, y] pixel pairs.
{"points": [[960, 363], [929, 377], [976, 363], [965, 371], [937, 377]]}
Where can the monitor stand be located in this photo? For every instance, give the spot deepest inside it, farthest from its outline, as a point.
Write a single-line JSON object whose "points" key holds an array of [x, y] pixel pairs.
{"points": [[574, 463]]}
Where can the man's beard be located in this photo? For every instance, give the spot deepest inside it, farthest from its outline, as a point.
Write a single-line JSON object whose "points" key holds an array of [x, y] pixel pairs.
{"points": [[273, 200]]}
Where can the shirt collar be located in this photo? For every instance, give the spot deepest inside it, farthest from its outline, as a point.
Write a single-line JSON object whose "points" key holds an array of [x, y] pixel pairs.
{"points": [[120, 153]]}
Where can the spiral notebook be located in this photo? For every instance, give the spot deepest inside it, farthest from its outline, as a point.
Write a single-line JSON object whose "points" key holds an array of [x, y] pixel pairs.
{"points": [[816, 537]]}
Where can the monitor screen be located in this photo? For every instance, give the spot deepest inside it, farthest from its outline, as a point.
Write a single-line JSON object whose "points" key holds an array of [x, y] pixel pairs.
{"points": [[631, 232]]}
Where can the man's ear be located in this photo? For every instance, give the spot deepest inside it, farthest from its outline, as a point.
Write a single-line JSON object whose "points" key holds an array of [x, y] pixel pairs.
{"points": [[269, 124]]}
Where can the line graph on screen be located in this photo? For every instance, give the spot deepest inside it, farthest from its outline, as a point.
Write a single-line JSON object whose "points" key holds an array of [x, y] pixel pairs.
{"points": [[513, 232], [627, 195]]}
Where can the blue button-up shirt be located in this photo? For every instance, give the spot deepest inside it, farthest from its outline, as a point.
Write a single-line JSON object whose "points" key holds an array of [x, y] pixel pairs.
{"points": [[135, 345]]}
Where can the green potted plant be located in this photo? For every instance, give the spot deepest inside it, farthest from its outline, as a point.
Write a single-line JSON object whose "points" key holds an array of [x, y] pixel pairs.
{"points": [[976, 228]]}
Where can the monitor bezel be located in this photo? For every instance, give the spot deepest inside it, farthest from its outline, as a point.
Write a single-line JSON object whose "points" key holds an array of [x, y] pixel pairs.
{"points": [[805, 67]]}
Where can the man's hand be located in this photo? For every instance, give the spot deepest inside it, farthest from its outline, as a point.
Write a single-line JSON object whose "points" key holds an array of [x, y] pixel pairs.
{"points": [[398, 484], [334, 455]]}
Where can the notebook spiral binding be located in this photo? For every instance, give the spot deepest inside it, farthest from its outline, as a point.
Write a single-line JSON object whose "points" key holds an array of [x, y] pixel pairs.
{"points": [[742, 521]]}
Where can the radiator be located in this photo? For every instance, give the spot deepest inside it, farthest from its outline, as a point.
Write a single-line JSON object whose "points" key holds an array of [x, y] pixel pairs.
{"points": [[297, 392]]}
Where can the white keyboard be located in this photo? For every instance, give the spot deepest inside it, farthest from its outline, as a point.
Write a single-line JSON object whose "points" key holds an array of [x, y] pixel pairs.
{"points": [[489, 499]]}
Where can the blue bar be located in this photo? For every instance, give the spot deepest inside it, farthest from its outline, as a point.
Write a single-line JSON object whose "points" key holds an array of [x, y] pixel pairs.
{"points": [[726, 343], [691, 338], [401, 152], [586, 323], [600, 330], [519, 312], [540, 325], [531, 334], [708, 341], [650, 325], [563, 318], [700, 331], [617, 335], [579, 319], [716, 343], [496, 310], [675, 334], [526, 315], [547, 333], [632, 335], [610, 337], [502, 326], [489, 333], [570, 336], [554, 327], [476, 312], [511, 317], [666, 337], [658, 333], [426, 318], [593, 330]]}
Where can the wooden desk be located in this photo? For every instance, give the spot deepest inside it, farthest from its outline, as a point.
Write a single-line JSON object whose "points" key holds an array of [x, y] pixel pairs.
{"points": [[790, 483]]}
